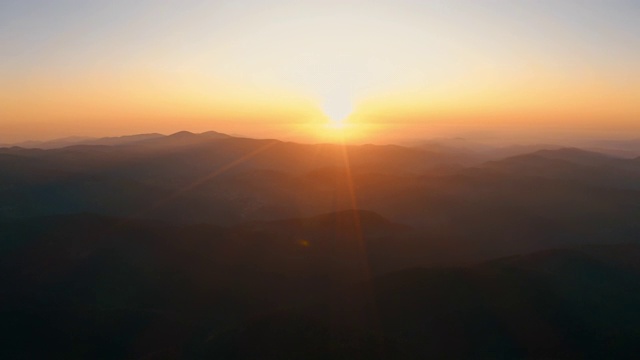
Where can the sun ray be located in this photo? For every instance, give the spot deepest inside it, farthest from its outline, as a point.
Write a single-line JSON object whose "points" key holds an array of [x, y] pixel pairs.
{"points": [[369, 309], [201, 181]]}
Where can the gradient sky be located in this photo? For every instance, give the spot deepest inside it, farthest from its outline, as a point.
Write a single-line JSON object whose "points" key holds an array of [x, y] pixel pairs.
{"points": [[395, 68]]}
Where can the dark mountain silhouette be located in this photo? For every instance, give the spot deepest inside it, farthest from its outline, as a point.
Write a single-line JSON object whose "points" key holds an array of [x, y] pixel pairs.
{"points": [[515, 150], [214, 246], [343, 223], [523, 203], [477, 152], [578, 156], [630, 147], [574, 164], [204, 172], [55, 143], [559, 304], [90, 286], [81, 140]]}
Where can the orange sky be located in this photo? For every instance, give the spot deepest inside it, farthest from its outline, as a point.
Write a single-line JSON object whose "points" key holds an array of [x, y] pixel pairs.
{"points": [[401, 69]]}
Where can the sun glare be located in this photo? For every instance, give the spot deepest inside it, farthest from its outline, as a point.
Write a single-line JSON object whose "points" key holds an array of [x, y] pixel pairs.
{"points": [[337, 124], [337, 110], [338, 130]]}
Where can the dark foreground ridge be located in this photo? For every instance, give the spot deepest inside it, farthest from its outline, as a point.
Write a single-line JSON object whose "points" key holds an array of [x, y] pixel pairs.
{"points": [[87, 286]]}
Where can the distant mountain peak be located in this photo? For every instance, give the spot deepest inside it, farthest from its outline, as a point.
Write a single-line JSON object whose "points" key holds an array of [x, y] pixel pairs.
{"points": [[562, 155], [181, 134], [571, 151], [577, 156], [215, 134]]}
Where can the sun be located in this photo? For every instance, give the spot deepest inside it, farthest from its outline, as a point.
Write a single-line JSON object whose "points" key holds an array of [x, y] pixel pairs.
{"points": [[336, 126], [337, 110], [337, 123]]}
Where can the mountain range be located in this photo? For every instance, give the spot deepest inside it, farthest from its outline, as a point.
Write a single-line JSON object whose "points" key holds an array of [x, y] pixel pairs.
{"points": [[213, 246]]}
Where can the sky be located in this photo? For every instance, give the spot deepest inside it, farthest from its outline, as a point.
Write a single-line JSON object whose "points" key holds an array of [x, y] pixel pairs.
{"points": [[379, 69]]}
